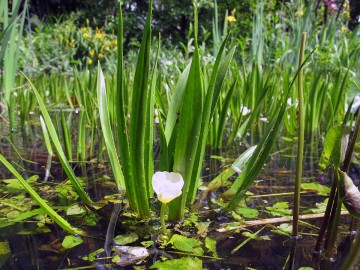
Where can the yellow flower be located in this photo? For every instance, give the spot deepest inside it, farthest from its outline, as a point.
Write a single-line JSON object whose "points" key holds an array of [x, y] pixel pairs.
{"points": [[299, 13], [100, 56], [86, 36], [343, 29], [83, 29], [90, 62], [91, 52], [231, 19], [347, 15], [233, 12]]}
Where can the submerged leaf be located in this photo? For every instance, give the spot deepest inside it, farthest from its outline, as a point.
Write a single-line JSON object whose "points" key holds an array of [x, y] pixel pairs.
{"points": [[349, 194]]}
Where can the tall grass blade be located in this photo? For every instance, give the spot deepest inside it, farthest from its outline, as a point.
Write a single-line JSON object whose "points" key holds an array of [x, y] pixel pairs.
{"points": [[54, 216], [107, 132], [139, 124], [62, 157], [188, 134]]}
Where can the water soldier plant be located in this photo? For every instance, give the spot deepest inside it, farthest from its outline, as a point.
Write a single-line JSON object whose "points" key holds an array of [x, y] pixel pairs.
{"points": [[146, 119]]}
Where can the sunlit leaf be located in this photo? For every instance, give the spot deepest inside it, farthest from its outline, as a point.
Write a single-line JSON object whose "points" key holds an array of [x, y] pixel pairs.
{"points": [[126, 238], [210, 244], [320, 189], [183, 243], [71, 241], [4, 248], [247, 212], [75, 210], [185, 263], [280, 209]]}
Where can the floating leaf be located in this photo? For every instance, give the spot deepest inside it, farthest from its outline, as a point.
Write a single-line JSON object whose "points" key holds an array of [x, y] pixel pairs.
{"points": [[75, 210], [283, 229], [320, 207], [247, 212], [280, 209], [92, 256], [349, 194], [255, 236], [126, 239], [186, 244], [4, 248], [320, 189], [71, 241], [185, 263], [211, 245]]}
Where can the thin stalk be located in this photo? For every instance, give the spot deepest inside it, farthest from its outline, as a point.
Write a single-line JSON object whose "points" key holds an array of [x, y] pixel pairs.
{"points": [[162, 218], [332, 231], [325, 223], [300, 153]]}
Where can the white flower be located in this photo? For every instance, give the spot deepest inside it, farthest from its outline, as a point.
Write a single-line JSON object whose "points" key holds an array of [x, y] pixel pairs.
{"points": [[245, 110], [167, 185]]}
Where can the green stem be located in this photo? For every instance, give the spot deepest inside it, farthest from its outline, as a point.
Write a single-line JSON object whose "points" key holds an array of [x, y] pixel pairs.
{"points": [[300, 153], [162, 217]]}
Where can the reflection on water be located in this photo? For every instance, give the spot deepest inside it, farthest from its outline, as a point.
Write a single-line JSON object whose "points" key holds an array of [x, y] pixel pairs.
{"points": [[32, 248]]}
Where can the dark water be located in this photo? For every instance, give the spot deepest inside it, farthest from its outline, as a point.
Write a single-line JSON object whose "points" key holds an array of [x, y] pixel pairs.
{"points": [[31, 248]]}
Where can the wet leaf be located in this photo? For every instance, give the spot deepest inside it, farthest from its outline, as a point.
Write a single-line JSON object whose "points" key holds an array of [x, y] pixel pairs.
{"points": [[255, 236], [349, 194], [115, 259], [4, 248], [211, 245], [247, 212], [126, 239], [320, 189], [186, 244], [203, 228], [75, 210], [92, 256], [147, 244], [71, 241], [185, 263], [320, 207], [280, 209], [283, 229]]}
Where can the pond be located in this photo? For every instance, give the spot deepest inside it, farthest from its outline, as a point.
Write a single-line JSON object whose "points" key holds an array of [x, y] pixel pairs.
{"points": [[254, 236]]}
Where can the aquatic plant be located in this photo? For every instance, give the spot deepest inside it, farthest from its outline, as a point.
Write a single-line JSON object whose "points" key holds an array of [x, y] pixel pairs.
{"points": [[9, 53], [167, 186]]}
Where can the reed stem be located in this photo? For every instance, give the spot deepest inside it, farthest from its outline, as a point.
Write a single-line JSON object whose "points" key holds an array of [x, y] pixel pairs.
{"points": [[300, 154]]}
